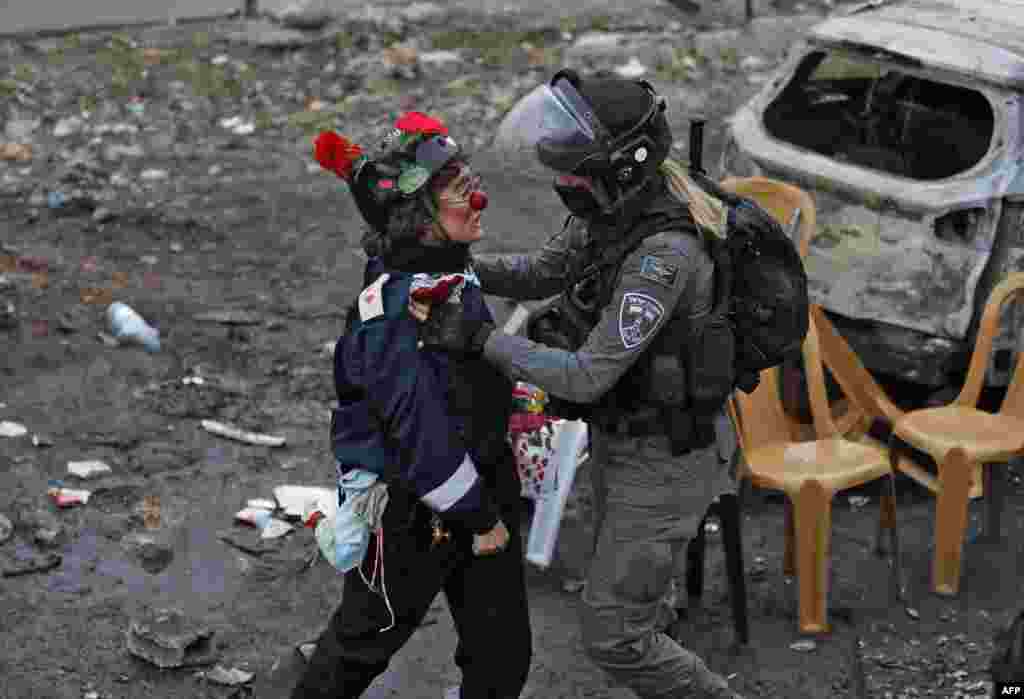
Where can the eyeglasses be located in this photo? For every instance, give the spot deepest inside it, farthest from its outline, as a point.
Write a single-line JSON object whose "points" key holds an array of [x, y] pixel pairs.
{"points": [[464, 191]]}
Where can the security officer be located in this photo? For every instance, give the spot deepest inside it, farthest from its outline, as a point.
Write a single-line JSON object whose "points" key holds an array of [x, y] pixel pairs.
{"points": [[611, 343], [429, 425]]}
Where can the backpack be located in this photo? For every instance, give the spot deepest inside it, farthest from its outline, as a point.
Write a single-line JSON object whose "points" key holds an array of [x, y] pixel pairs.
{"points": [[760, 295], [759, 317]]}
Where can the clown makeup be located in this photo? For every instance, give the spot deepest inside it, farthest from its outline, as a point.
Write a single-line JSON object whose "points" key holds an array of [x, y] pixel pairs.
{"points": [[460, 203]]}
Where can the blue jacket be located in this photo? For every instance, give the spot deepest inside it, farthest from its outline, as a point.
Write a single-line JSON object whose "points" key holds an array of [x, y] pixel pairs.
{"points": [[433, 422]]}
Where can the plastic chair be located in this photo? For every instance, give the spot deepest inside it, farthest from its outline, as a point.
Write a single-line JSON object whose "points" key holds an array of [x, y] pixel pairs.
{"points": [[809, 473], [959, 436]]}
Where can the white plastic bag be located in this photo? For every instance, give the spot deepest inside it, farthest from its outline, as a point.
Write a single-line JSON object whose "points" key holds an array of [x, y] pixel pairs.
{"points": [[341, 534]]}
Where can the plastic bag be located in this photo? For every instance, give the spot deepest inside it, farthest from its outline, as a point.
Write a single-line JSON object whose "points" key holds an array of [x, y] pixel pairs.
{"points": [[341, 534]]}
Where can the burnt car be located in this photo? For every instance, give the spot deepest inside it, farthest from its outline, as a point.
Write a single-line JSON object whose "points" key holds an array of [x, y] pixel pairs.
{"points": [[903, 119]]}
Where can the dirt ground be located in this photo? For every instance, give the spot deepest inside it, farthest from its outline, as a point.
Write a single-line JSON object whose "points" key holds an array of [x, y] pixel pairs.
{"points": [[237, 224]]}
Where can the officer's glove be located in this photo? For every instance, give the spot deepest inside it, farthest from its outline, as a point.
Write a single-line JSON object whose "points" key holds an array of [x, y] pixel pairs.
{"points": [[448, 329]]}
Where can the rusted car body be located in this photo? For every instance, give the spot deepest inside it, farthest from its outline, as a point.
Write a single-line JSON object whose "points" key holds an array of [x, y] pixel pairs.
{"points": [[904, 120]]}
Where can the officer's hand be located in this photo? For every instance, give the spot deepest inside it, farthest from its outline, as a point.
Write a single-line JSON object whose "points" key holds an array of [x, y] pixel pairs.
{"points": [[450, 330], [420, 310], [492, 542]]}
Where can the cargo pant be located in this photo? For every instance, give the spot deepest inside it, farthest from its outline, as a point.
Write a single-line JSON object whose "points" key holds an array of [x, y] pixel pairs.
{"points": [[648, 505], [486, 596]]}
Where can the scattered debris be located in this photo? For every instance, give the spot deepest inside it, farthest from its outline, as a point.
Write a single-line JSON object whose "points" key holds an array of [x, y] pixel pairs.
{"points": [[306, 15], [858, 501], [36, 563], [263, 519], [238, 126], [129, 326], [803, 646], [12, 429], [87, 469], [230, 317], [573, 586], [632, 69], [17, 152], [167, 639], [294, 499], [913, 613], [151, 555], [67, 497], [306, 650], [229, 677], [6, 529], [239, 435]]}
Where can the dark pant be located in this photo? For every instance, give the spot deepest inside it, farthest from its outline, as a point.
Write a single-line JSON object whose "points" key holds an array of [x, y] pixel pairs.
{"points": [[486, 595]]}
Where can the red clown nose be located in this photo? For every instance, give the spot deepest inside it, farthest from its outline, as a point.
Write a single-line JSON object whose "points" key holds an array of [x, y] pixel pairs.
{"points": [[478, 201]]}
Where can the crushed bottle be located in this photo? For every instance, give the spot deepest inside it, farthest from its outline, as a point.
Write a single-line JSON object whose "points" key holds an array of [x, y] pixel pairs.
{"points": [[129, 326]]}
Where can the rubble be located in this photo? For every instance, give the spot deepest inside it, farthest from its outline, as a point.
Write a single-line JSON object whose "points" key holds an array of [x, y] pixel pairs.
{"points": [[167, 639], [6, 529]]}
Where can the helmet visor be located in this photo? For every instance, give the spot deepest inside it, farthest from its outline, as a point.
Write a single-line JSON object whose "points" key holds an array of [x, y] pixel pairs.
{"points": [[550, 131]]}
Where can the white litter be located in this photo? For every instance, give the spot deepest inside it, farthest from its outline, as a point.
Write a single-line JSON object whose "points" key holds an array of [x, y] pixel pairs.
{"points": [[803, 646], [633, 69], [240, 435], [193, 380], [229, 677], [295, 499], [262, 503], [12, 429], [87, 469]]}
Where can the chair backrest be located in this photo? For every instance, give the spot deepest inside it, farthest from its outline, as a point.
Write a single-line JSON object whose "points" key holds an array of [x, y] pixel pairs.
{"points": [[760, 417], [850, 373], [1013, 403], [782, 201]]}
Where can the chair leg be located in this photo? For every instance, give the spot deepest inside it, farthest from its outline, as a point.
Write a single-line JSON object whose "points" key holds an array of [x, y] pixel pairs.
{"points": [[889, 506], [950, 521], [994, 476], [788, 553], [812, 517], [732, 537]]}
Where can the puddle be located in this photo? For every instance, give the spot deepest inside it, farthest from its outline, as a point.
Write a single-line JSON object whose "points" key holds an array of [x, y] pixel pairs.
{"points": [[203, 571]]}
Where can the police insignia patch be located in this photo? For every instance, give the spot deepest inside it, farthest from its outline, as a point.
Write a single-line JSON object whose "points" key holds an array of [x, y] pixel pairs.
{"points": [[658, 271], [639, 316]]}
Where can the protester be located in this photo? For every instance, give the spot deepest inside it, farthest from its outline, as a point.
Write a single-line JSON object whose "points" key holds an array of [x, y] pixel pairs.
{"points": [[430, 425], [610, 352]]}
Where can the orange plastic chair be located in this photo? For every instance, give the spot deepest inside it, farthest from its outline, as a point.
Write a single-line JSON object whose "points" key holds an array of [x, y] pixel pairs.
{"points": [[790, 205], [959, 436], [809, 473]]}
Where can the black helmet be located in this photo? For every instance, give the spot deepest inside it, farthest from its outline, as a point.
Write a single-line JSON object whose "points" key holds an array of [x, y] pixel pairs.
{"points": [[612, 130]]}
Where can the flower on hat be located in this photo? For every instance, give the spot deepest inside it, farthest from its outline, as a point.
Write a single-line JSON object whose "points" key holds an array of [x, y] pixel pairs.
{"points": [[420, 123], [336, 153]]}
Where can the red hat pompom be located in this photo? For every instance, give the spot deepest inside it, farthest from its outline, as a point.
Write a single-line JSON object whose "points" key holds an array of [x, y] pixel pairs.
{"points": [[418, 122], [336, 153]]}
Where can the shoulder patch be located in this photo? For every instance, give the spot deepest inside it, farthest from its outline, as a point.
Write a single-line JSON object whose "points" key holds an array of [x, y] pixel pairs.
{"points": [[639, 316], [371, 300], [658, 271]]}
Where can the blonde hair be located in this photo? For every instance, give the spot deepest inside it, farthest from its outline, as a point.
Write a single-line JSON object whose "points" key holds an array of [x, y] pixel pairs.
{"points": [[708, 212]]}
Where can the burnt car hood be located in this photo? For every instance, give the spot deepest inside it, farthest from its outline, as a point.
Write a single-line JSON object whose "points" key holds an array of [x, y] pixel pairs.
{"points": [[876, 256]]}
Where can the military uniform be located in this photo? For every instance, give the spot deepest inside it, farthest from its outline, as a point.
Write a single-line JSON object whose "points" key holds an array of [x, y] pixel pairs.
{"points": [[649, 502], [430, 425]]}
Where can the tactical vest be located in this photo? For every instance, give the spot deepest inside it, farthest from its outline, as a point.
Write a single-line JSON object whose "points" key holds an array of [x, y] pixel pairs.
{"points": [[651, 397]]}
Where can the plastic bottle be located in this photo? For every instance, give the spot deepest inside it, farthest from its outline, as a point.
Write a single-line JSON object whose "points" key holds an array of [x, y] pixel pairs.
{"points": [[126, 324]]}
